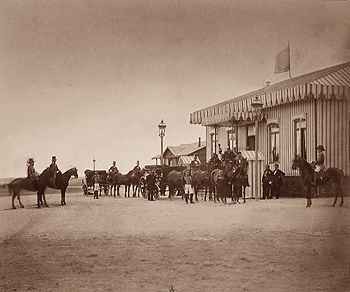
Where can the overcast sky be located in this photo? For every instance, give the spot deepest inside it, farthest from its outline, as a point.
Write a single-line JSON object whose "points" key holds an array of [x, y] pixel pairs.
{"points": [[93, 78]]}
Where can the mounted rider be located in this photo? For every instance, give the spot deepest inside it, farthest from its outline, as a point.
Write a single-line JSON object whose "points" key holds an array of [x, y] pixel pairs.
{"points": [[319, 163], [53, 168], [229, 155], [195, 163], [137, 167], [31, 173], [113, 170], [214, 162]]}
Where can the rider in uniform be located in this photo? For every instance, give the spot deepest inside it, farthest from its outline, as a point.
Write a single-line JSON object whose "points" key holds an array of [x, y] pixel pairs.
{"points": [[53, 171], [319, 164], [214, 162], [137, 167], [113, 169], [195, 163], [31, 173]]}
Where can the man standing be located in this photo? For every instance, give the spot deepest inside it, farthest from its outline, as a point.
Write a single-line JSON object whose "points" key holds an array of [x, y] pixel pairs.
{"points": [[53, 171], [188, 186], [277, 181], [151, 185], [266, 182]]}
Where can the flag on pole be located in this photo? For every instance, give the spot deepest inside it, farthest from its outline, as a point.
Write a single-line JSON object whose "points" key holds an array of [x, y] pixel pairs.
{"points": [[283, 61]]}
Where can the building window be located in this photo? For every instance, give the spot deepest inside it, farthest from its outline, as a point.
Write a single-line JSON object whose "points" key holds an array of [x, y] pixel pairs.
{"points": [[251, 137], [274, 142], [213, 141], [231, 139], [300, 137]]}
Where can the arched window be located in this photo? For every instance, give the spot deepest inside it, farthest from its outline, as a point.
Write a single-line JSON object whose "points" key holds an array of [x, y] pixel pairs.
{"points": [[274, 142]]}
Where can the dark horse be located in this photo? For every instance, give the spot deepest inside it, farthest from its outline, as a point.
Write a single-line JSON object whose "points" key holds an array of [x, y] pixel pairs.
{"points": [[118, 179], [171, 177], [40, 185], [331, 175], [201, 180], [135, 181]]}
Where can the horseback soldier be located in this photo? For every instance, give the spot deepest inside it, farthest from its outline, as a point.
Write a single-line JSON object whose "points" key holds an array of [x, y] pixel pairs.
{"points": [[214, 162], [113, 169], [195, 163], [31, 173], [319, 164], [228, 155], [137, 167], [53, 171]]}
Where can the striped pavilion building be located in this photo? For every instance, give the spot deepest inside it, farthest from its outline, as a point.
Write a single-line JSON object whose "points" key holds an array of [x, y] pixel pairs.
{"points": [[297, 115]]}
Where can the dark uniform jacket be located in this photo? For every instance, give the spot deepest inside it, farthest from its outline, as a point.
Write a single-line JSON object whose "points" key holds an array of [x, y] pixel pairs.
{"points": [[277, 176], [267, 176]]}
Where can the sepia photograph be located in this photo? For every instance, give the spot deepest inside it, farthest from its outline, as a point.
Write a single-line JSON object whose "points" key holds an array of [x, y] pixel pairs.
{"points": [[175, 145]]}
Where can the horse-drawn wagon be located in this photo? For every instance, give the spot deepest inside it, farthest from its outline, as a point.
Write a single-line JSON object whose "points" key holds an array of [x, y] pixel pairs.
{"points": [[95, 177]]}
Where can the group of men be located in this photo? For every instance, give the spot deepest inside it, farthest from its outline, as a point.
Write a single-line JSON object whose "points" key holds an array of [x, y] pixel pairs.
{"points": [[272, 182], [34, 176]]}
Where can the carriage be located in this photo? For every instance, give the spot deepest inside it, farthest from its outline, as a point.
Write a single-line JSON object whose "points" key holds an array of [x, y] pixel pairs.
{"points": [[89, 183]]}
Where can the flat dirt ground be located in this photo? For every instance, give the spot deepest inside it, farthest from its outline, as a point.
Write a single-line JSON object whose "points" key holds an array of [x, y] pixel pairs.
{"points": [[136, 245]]}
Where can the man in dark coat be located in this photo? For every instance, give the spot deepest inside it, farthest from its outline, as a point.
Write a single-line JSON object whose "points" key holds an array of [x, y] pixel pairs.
{"points": [[214, 162], [53, 171], [267, 182], [277, 181], [151, 185]]}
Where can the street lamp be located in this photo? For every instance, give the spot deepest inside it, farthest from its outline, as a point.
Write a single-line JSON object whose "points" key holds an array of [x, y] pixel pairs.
{"points": [[161, 128], [94, 162], [257, 106]]}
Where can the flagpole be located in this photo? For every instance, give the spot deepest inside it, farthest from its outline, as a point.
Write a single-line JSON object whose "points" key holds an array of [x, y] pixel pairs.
{"points": [[290, 76]]}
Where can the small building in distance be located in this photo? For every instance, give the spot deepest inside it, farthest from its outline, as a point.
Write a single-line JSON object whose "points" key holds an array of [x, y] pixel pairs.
{"points": [[183, 154]]}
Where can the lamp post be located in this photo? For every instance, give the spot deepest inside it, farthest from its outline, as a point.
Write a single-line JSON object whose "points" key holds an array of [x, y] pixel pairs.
{"points": [[257, 106], [161, 128], [94, 162]]}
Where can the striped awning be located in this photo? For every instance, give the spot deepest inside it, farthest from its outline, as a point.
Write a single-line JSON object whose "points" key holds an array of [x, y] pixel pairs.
{"points": [[250, 155], [329, 83]]}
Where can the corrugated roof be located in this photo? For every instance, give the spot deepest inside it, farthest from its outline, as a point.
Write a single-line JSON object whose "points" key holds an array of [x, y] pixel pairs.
{"points": [[186, 149], [331, 82]]}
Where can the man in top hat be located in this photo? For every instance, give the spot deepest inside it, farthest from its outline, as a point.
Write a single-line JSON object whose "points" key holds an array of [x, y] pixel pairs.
{"points": [[31, 173], [319, 164], [53, 171]]}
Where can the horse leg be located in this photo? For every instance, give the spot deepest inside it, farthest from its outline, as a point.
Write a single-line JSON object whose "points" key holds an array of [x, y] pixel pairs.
{"points": [[44, 199], [19, 201], [13, 200], [38, 199], [63, 199], [308, 197], [243, 194], [335, 197]]}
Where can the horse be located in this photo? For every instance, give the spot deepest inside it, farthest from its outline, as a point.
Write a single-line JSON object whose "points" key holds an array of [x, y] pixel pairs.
{"points": [[240, 181], [331, 175], [173, 178], [220, 185], [62, 182], [39, 186], [121, 179], [102, 178], [135, 177], [201, 179]]}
